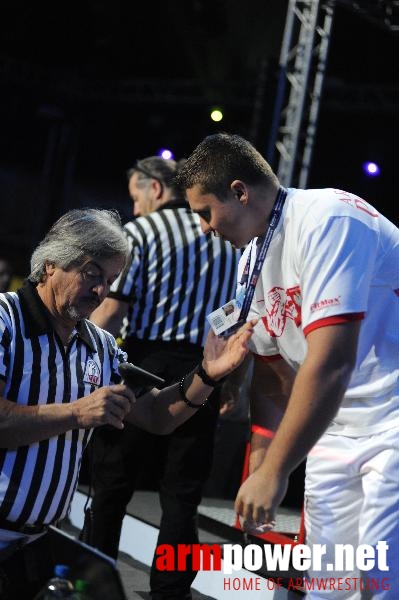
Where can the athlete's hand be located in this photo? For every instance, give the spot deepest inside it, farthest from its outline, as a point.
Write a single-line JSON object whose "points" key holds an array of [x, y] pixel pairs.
{"points": [[105, 406], [222, 356], [258, 499]]}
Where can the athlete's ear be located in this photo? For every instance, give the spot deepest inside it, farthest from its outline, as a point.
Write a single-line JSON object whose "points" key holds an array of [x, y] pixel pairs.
{"points": [[240, 191]]}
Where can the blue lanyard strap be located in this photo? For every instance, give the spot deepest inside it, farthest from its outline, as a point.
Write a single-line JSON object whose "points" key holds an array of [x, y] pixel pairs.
{"points": [[260, 258]]}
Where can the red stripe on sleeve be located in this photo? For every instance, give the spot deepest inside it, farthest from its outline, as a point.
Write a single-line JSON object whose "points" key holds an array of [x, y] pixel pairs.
{"points": [[333, 321]]}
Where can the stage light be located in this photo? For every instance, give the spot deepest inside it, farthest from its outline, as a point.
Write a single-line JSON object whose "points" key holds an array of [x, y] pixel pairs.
{"points": [[371, 169], [165, 153], [216, 115]]}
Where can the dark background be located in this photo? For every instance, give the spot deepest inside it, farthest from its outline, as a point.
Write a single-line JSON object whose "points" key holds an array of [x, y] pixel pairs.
{"points": [[87, 87]]}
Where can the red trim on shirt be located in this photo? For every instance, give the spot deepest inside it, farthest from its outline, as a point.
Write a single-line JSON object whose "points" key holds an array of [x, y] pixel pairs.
{"points": [[396, 292], [333, 321], [266, 433], [267, 359]]}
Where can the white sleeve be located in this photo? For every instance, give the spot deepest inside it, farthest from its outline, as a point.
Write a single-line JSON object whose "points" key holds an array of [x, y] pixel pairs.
{"points": [[336, 265]]}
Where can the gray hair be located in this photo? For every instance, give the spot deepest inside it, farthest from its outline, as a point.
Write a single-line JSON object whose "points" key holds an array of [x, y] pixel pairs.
{"points": [[77, 235], [162, 169]]}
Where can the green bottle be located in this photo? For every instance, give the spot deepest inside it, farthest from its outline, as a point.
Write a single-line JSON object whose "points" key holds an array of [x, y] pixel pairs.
{"points": [[81, 590]]}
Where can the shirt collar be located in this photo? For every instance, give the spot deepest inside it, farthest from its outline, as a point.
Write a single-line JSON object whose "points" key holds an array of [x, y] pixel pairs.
{"points": [[177, 203], [36, 318]]}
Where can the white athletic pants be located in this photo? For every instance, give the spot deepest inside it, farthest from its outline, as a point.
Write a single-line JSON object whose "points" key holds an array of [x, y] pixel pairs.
{"points": [[352, 497]]}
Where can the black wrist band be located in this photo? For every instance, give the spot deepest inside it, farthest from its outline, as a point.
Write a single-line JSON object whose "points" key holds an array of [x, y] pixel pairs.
{"points": [[184, 397], [202, 374]]}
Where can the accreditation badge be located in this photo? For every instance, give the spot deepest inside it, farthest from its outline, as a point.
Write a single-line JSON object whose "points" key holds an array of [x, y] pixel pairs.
{"points": [[224, 317]]}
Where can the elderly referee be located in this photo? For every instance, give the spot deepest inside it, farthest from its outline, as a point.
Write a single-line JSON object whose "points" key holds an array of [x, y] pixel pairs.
{"points": [[59, 378]]}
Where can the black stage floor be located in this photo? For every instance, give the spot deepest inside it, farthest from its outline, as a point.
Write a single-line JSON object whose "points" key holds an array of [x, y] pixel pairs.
{"points": [[216, 520]]}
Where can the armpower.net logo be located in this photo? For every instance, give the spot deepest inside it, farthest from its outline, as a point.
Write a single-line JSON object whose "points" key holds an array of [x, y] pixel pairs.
{"points": [[231, 558]]}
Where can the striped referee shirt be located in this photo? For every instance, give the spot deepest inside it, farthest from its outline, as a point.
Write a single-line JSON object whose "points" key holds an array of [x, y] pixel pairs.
{"points": [[176, 276], [37, 481]]}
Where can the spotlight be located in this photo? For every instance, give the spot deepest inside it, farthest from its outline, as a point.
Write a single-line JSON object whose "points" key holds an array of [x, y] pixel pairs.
{"points": [[371, 169], [216, 115], [165, 153]]}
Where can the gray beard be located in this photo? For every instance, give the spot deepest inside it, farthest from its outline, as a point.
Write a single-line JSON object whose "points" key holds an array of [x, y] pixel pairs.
{"points": [[73, 314]]}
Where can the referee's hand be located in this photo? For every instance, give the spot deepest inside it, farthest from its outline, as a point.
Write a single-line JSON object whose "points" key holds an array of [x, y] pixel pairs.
{"points": [[105, 406]]}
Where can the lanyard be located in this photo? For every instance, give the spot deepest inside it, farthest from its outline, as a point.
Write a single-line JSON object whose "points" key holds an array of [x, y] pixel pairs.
{"points": [[260, 258]]}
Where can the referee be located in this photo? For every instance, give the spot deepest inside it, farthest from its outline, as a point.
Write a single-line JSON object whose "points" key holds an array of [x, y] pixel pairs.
{"points": [[59, 378], [175, 277]]}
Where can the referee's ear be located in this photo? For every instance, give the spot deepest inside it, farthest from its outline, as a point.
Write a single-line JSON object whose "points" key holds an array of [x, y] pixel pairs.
{"points": [[158, 189], [49, 269]]}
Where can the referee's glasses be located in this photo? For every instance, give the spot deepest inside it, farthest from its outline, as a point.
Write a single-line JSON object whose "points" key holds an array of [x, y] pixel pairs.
{"points": [[92, 274]]}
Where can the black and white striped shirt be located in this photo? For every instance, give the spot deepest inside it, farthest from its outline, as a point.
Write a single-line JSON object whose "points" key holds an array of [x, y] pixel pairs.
{"points": [[176, 276], [37, 481]]}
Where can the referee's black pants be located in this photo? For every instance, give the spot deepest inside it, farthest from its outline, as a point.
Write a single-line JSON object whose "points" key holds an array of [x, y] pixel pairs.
{"points": [[180, 461]]}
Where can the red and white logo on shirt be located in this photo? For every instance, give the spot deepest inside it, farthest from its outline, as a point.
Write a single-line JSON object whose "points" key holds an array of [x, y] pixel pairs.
{"points": [[92, 373], [281, 305]]}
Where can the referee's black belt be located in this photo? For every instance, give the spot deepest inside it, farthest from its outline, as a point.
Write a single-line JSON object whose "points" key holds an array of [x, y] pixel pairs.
{"points": [[24, 529]]}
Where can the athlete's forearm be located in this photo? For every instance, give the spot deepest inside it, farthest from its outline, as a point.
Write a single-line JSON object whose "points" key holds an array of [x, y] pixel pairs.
{"points": [[316, 395], [315, 399]]}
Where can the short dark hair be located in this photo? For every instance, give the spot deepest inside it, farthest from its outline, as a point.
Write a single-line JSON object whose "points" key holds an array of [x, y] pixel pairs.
{"points": [[221, 158]]}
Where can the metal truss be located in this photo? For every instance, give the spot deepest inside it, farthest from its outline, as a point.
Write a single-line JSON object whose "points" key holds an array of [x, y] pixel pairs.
{"points": [[366, 98], [392, 15], [384, 13], [302, 67]]}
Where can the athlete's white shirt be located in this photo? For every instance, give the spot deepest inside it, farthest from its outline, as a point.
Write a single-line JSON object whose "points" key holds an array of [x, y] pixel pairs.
{"points": [[333, 256]]}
